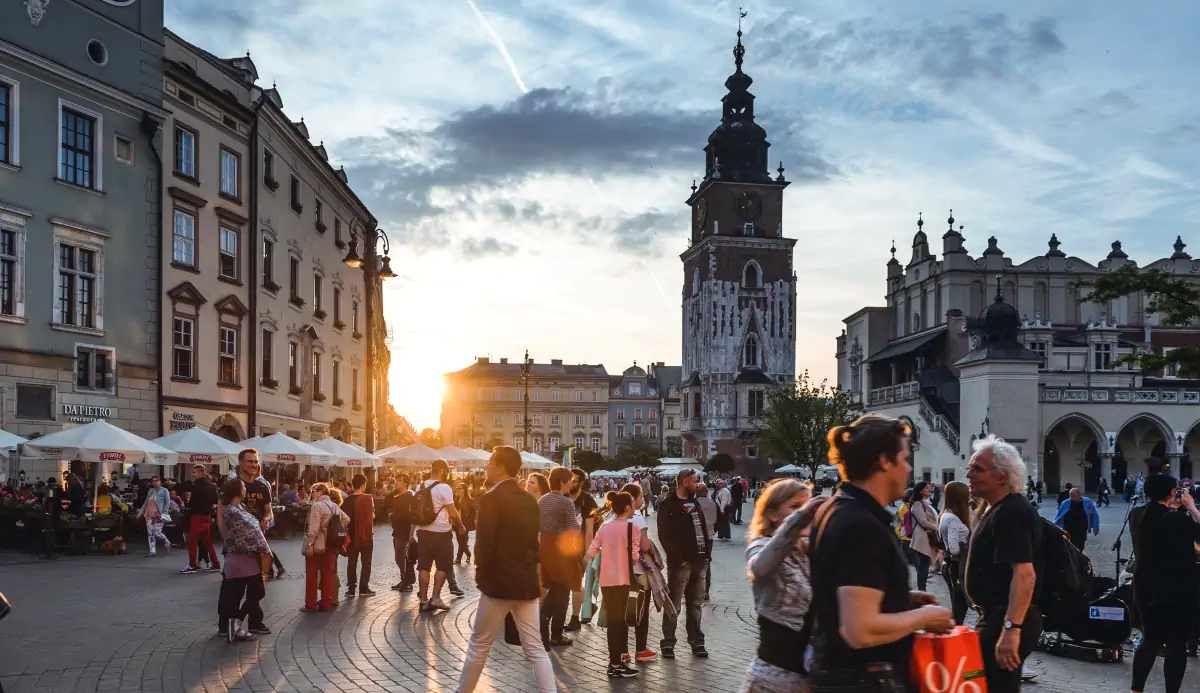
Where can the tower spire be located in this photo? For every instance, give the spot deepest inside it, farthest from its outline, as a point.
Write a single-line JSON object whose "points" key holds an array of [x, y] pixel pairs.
{"points": [[739, 51]]}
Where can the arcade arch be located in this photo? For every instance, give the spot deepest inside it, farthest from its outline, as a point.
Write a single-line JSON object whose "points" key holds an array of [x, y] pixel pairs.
{"points": [[1071, 453]]}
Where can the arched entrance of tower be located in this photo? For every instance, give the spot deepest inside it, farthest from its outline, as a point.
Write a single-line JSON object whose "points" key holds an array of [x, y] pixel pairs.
{"points": [[1141, 448], [1071, 453]]}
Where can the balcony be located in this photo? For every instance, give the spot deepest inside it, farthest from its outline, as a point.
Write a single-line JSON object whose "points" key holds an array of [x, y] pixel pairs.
{"points": [[891, 394]]}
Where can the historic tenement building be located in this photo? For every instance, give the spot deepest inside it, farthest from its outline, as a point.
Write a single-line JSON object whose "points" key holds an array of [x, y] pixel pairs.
{"points": [[484, 406], [634, 407], [739, 288], [80, 112], [1034, 367]]}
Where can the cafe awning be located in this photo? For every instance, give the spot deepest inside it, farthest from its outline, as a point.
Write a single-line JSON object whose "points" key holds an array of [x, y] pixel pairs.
{"points": [[908, 345]]}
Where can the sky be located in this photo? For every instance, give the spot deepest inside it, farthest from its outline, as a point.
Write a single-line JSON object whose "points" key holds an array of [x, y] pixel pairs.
{"points": [[530, 159]]}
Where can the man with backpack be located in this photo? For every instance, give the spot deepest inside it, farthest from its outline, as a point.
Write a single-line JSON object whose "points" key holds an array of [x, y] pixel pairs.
{"points": [[436, 518], [1003, 563]]}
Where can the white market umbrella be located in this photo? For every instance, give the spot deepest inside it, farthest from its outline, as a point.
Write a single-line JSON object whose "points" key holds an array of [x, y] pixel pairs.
{"points": [[198, 446], [347, 455], [480, 454], [9, 440], [416, 455], [279, 448], [98, 441], [535, 462], [459, 458], [791, 469]]}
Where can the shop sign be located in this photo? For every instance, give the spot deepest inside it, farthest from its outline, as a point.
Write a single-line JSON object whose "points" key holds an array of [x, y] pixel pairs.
{"points": [[181, 421], [112, 457], [200, 459], [285, 457], [354, 463], [78, 413]]}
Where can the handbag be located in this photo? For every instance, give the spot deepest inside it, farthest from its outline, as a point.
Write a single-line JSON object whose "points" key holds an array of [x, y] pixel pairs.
{"points": [[511, 635], [637, 594]]}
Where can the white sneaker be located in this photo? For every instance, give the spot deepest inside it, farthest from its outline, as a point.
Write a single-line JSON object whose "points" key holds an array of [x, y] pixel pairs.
{"points": [[1027, 674]]}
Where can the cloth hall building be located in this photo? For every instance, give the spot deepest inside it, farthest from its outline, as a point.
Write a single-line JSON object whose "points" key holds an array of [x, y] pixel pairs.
{"points": [[969, 345]]}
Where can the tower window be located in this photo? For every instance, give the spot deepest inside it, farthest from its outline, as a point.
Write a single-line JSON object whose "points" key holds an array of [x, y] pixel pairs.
{"points": [[751, 277], [748, 228], [916, 322], [750, 355]]}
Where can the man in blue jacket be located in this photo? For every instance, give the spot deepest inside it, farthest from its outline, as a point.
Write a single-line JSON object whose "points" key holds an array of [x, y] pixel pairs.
{"points": [[1077, 515]]}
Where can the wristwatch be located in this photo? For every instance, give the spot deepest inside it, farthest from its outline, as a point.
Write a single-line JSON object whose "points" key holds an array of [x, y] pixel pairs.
{"points": [[1009, 625]]}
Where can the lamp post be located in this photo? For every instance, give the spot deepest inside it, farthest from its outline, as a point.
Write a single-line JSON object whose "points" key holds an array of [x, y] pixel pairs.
{"points": [[526, 369], [371, 273]]}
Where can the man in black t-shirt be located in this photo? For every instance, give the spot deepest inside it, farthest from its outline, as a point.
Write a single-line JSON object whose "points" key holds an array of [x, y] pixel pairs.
{"points": [[864, 613], [201, 499], [402, 533], [1003, 562]]}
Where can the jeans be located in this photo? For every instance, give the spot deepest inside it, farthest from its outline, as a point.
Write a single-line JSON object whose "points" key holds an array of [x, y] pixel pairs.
{"points": [[958, 599], [320, 570], [554, 611], [686, 584], [400, 545], [618, 632], [1163, 626], [359, 550], [922, 565], [990, 627], [591, 586], [200, 539], [489, 620], [230, 604], [641, 632]]}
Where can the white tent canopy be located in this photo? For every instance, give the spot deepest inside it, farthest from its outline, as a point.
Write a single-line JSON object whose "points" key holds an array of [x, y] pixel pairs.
{"points": [[198, 446], [9, 440], [483, 455], [535, 461], [98, 441], [416, 455], [453, 454], [278, 447], [791, 469], [347, 455]]}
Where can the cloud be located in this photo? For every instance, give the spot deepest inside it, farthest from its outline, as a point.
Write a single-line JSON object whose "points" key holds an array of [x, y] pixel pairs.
{"points": [[988, 48], [475, 249], [1113, 103]]}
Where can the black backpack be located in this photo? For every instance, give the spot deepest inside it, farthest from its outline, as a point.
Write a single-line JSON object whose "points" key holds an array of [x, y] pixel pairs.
{"points": [[336, 536], [423, 511], [1066, 578]]}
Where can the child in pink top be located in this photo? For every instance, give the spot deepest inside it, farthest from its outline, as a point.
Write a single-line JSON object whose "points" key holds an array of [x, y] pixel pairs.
{"points": [[619, 551]]}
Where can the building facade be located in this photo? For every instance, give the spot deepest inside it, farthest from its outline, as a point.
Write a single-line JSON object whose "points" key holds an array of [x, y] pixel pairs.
{"points": [[668, 379], [634, 408], [80, 109], [1049, 387], [739, 288], [484, 405]]}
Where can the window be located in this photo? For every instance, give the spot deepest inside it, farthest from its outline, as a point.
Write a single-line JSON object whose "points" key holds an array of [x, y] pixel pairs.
{"points": [[537, 420], [653, 414], [293, 365], [123, 149], [671, 422], [748, 228], [268, 342], [94, 369], [497, 395], [620, 430], [653, 431], [497, 419], [269, 169], [596, 444], [751, 279], [354, 387], [77, 275], [185, 152], [296, 206], [595, 396], [231, 184], [620, 415], [229, 253], [519, 442], [316, 372], [916, 322], [1038, 348], [294, 276], [337, 233], [579, 395], [537, 445], [518, 420], [750, 355], [579, 419], [184, 349], [554, 443], [268, 263], [579, 442], [337, 308], [635, 389], [637, 429], [637, 414], [1103, 355], [554, 395], [11, 271], [6, 120], [337, 384], [318, 211], [537, 395], [595, 419], [354, 318], [184, 245], [555, 420], [517, 397], [754, 404], [78, 149], [227, 360], [317, 291], [479, 394], [752, 451]]}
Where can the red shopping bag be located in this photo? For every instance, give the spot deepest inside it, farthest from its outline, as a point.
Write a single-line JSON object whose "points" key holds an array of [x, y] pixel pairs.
{"points": [[950, 663]]}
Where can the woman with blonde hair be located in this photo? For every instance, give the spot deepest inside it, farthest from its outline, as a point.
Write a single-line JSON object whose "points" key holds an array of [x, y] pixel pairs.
{"points": [[777, 564], [954, 526], [320, 557]]}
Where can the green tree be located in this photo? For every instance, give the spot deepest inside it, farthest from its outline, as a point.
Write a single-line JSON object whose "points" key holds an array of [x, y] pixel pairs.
{"points": [[493, 444], [798, 419], [674, 447], [431, 438], [634, 447], [644, 461], [589, 461], [720, 463], [1175, 299]]}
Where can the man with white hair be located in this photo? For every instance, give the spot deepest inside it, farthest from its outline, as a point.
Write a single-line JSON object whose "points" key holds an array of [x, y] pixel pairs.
{"points": [[1002, 565]]}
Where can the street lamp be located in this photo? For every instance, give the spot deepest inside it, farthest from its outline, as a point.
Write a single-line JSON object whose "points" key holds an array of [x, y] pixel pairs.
{"points": [[526, 369], [371, 272]]}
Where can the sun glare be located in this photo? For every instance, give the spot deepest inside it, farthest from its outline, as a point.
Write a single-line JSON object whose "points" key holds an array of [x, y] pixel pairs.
{"points": [[416, 386]]}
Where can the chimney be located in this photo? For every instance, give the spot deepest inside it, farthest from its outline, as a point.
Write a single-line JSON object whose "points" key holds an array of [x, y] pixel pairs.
{"points": [[660, 364], [555, 362], [482, 360], [503, 360]]}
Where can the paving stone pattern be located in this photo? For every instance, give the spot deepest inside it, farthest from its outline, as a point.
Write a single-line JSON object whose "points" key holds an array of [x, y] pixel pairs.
{"points": [[101, 624]]}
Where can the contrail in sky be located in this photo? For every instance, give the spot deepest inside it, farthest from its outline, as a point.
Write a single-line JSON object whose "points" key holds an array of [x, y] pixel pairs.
{"points": [[516, 74], [512, 66]]}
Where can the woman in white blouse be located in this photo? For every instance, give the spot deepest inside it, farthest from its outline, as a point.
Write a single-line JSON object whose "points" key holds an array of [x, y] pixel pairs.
{"points": [[954, 525]]}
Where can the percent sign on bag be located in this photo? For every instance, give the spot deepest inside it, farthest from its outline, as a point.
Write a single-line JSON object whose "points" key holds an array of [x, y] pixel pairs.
{"points": [[939, 680]]}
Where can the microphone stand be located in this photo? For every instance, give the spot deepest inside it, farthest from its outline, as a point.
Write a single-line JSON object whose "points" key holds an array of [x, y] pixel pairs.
{"points": [[1117, 544]]}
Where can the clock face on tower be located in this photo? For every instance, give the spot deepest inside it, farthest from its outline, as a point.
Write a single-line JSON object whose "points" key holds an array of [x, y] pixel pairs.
{"points": [[701, 212], [749, 206]]}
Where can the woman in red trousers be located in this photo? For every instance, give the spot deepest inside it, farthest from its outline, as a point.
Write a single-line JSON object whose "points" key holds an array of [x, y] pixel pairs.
{"points": [[320, 559]]}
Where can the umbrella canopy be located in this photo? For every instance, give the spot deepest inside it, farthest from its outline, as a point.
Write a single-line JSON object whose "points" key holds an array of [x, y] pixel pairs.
{"points": [[533, 461], [98, 441], [791, 469], [480, 454], [347, 455], [278, 447], [198, 446], [416, 455], [453, 454], [9, 440]]}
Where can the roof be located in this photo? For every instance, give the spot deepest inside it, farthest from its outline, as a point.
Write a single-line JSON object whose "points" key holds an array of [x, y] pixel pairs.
{"points": [[753, 376], [667, 377], [908, 345], [494, 369]]}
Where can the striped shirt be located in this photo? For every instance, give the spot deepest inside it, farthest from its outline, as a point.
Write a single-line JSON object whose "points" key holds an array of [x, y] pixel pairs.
{"points": [[557, 513]]}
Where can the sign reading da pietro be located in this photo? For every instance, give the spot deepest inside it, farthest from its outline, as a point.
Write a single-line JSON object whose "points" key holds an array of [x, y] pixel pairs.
{"points": [[182, 421], [79, 413]]}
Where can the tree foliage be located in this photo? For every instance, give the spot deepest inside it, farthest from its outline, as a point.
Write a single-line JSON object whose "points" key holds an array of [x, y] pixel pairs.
{"points": [[798, 420], [588, 461], [431, 438], [1175, 299], [674, 446], [720, 463], [636, 447]]}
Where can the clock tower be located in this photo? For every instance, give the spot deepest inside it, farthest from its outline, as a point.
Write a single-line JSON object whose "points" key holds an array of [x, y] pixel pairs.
{"points": [[739, 288]]}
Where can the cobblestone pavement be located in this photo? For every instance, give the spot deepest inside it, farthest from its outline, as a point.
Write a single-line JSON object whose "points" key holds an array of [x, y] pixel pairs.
{"points": [[101, 624]]}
